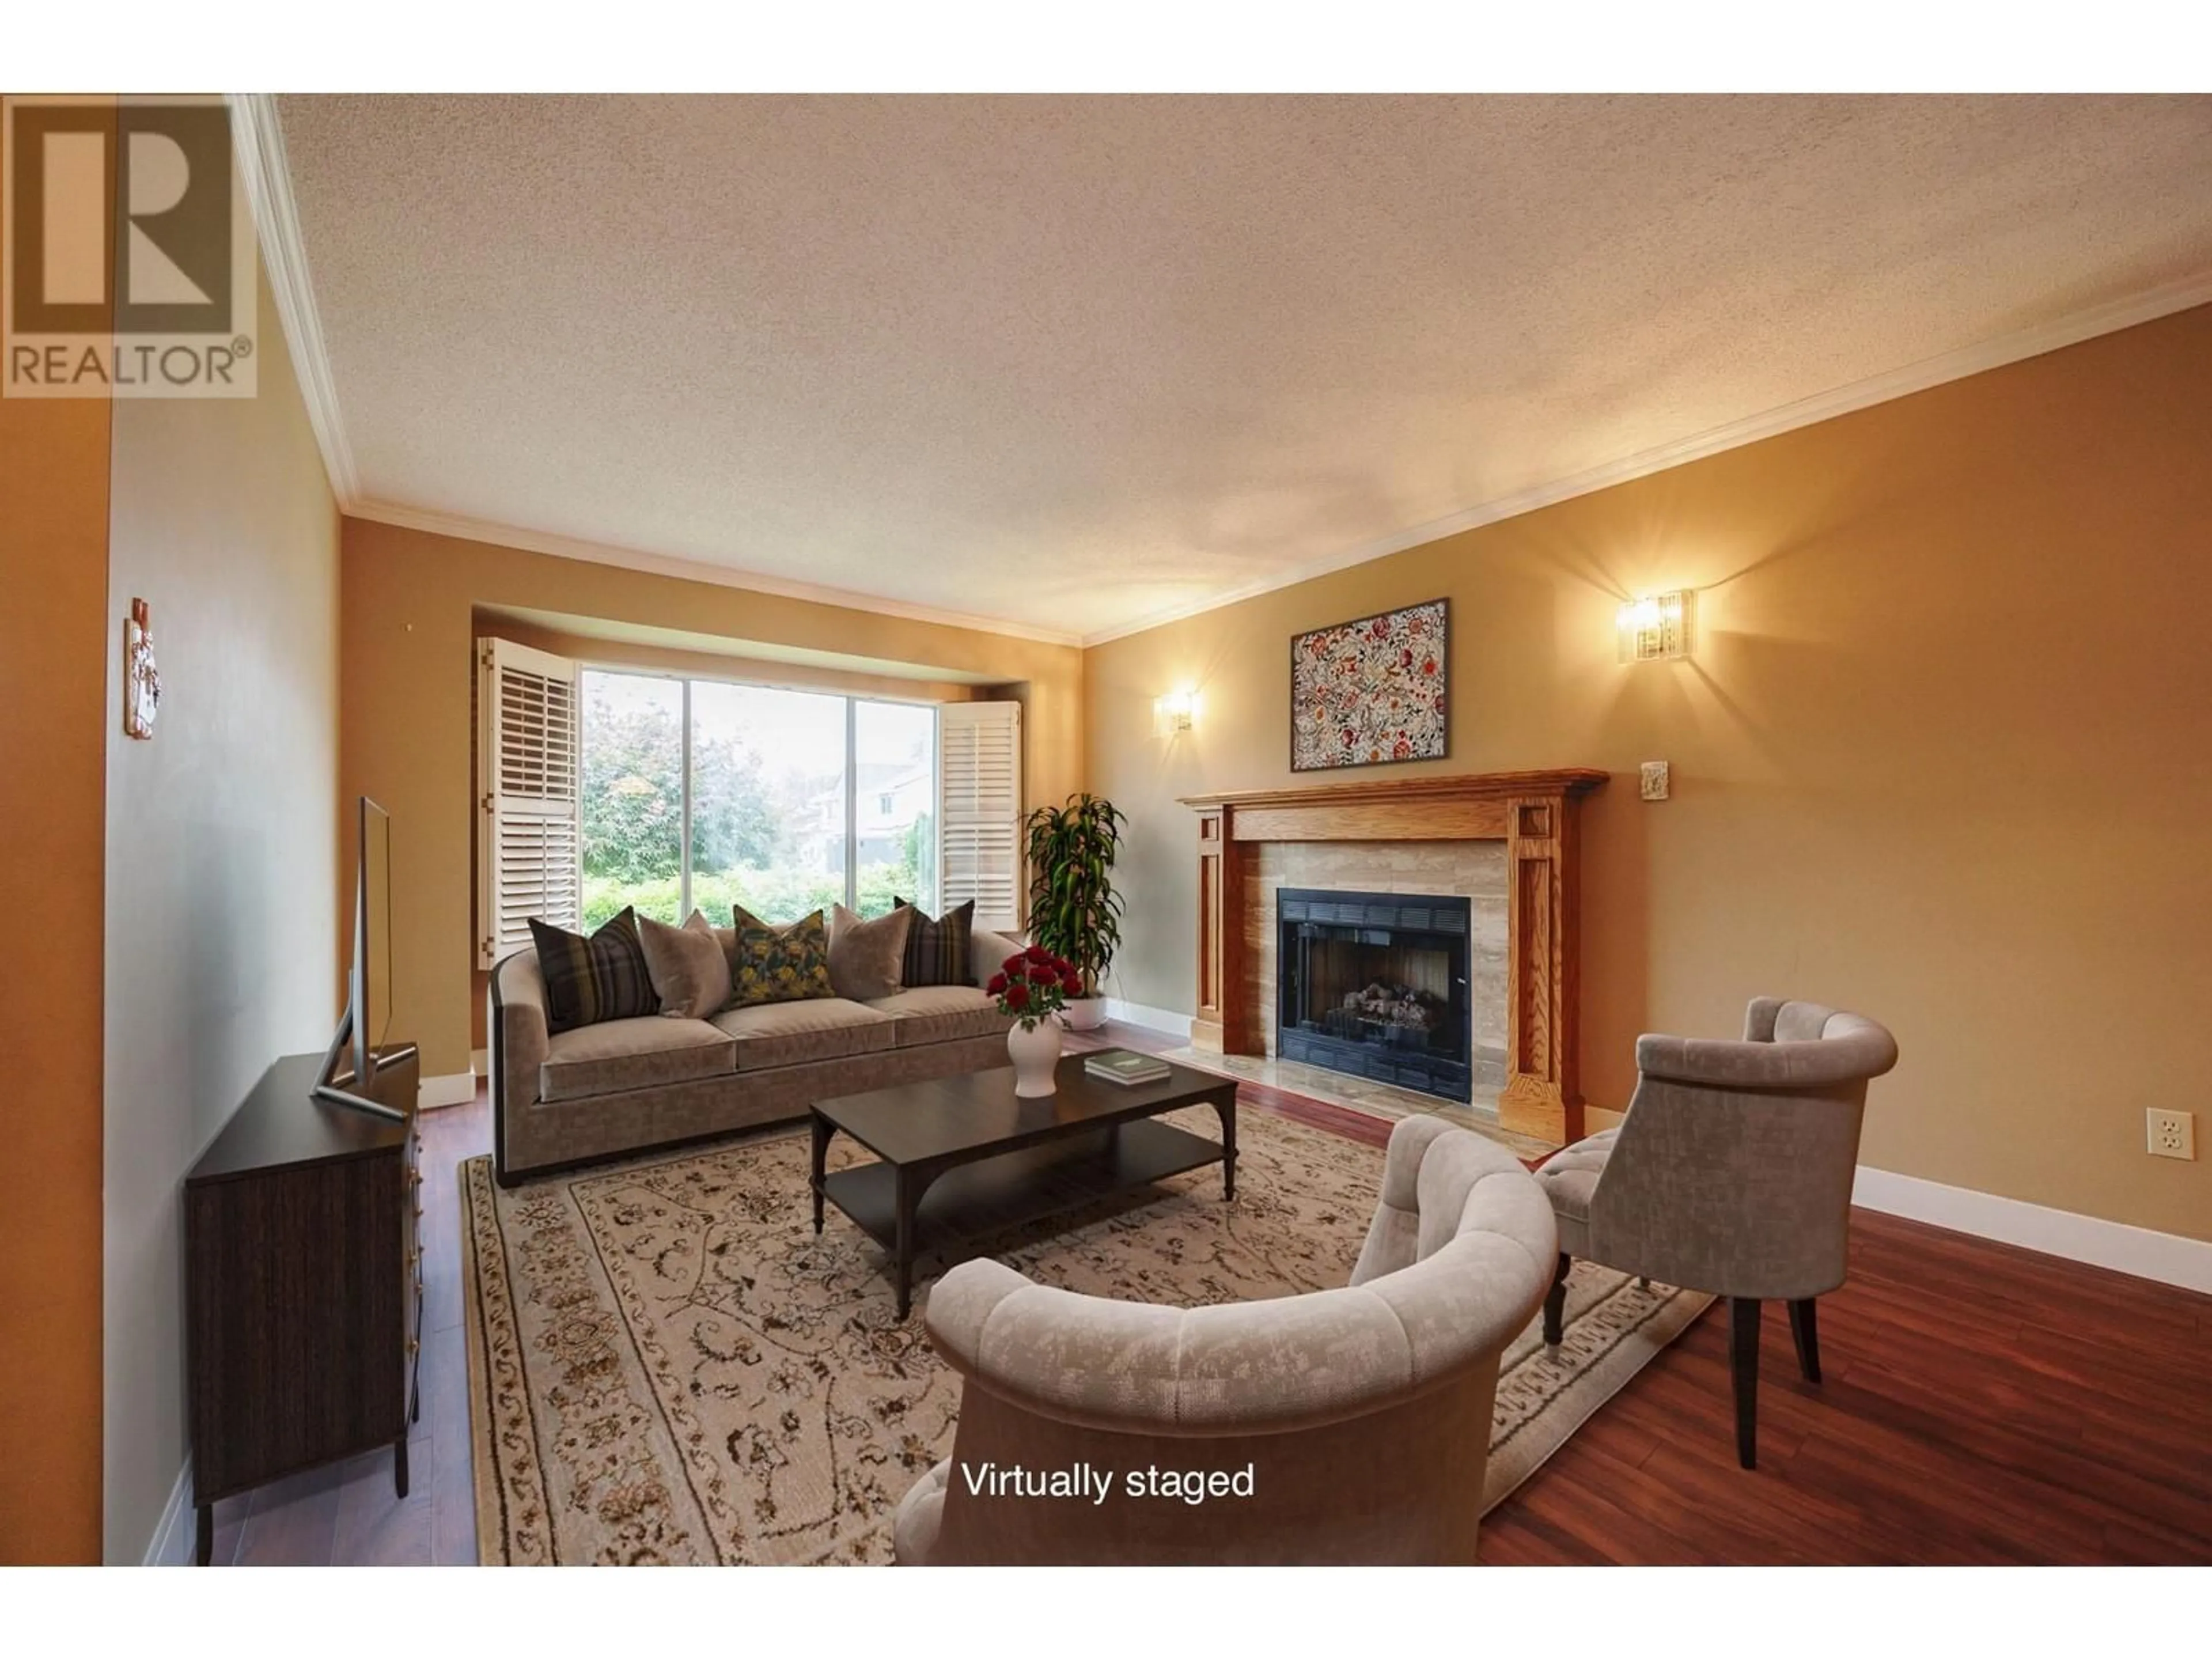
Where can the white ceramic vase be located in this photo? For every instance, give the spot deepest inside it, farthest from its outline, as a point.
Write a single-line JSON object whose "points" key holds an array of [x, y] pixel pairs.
{"points": [[1083, 1013], [1034, 1050]]}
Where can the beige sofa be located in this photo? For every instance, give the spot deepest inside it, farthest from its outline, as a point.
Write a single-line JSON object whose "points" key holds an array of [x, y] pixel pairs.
{"points": [[625, 1085], [1361, 1414]]}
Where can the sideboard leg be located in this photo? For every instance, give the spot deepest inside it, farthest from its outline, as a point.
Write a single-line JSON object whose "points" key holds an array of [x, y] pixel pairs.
{"points": [[204, 1546], [400, 1465]]}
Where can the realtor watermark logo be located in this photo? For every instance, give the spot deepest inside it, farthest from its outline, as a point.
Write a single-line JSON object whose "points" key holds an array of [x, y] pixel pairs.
{"points": [[127, 263]]}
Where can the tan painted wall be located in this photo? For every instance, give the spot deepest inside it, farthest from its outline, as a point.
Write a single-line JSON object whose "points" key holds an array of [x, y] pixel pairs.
{"points": [[406, 669], [1941, 755], [224, 847], [54, 647]]}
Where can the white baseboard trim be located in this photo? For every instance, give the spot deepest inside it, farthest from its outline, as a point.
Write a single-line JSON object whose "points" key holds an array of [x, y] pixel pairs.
{"points": [[2167, 1257], [480, 1061], [176, 1532], [1165, 1020], [455, 1090]]}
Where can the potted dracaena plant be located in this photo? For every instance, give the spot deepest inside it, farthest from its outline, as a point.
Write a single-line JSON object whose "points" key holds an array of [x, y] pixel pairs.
{"points": [[1074, 912]]}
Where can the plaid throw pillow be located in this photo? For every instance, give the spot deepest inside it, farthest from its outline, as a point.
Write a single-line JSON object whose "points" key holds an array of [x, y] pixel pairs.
{"points": [[589, 980], [790, 963], [937, 951]]}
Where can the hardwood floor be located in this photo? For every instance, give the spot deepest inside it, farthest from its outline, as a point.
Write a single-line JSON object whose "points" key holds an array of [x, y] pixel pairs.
{"points": [[1982, 1404]]}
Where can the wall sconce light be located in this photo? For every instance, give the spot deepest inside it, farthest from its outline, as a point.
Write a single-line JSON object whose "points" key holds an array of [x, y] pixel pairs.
{"points": [[1175, 712], [1654, 628]]}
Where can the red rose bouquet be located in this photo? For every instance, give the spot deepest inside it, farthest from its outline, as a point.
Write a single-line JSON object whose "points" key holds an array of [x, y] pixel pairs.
{"points": [[1034, 984]]}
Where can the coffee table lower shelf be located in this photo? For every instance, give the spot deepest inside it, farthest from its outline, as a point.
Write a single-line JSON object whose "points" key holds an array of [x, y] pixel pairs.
{"points": [[1007, 1190]]}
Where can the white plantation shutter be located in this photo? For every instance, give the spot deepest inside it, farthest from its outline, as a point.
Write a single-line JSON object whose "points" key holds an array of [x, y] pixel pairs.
{"points": [[529, 836], [979, 770]]}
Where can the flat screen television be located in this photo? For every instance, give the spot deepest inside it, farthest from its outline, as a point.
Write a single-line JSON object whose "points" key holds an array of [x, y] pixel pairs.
{"points": [[358, 1048]]}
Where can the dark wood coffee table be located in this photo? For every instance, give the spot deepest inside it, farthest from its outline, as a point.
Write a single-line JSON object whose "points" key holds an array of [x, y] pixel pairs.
{"points": [[963, 1158]]}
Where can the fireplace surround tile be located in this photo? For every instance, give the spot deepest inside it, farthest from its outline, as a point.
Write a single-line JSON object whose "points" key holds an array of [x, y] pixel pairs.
{"points": [[1473, 870]]}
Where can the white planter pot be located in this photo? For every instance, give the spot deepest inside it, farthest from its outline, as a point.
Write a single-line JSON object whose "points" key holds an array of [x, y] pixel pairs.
{"points": [[1034, 1050], [1085, 1013]]}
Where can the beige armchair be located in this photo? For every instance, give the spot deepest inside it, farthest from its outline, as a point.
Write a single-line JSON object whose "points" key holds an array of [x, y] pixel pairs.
{"points": [[1731, 1173], [1339, 1426]]}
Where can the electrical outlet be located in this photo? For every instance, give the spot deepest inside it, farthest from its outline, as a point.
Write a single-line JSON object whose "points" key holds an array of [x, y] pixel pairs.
{"points": [[2172, 1134], [1653, 780]]}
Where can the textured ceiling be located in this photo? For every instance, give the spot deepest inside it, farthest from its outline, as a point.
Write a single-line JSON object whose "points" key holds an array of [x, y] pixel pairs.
{"points": [[1071, 362]]}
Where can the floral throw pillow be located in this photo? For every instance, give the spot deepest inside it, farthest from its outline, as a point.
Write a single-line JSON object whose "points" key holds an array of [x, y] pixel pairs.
{"points": [[790, 963]]}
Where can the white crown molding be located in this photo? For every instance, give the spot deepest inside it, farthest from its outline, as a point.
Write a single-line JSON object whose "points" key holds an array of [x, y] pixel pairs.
{"points": [[694, 570], [2167, 1257], [257, 141], [2030, 342]]}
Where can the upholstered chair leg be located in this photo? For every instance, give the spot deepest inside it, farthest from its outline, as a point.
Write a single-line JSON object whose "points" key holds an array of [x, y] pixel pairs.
{"points": [[1807, 1333], [1555, 1303], [1743, 1371]]}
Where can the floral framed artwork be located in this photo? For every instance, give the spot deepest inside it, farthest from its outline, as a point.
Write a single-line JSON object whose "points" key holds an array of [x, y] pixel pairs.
{"points": [[1372, 691]]}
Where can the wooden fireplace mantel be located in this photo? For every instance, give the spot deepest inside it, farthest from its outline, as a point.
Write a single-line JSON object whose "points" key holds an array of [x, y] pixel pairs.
{"points": [[1534, 813]]}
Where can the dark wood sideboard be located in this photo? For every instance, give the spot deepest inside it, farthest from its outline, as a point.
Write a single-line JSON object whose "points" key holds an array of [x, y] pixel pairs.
{"points": [[303, 1285]]}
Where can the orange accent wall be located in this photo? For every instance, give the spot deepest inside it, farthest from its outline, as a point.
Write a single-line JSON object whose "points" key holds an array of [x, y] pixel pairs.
{"points": [[55, 642]]}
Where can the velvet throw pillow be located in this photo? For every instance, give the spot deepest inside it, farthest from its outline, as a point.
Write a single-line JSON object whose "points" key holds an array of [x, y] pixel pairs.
{"points": [[790, 963], [691, 975], [725, 937], [937, 951], [590, 980], [867, 957], [987, 953]]}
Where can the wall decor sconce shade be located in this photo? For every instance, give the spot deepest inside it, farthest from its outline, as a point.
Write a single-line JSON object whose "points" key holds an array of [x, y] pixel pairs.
{"points": [[1175, 712], [1655, 628]]}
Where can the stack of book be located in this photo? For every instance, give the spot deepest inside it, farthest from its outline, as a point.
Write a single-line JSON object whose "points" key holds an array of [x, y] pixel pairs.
{"points": [[1124, 1066]]}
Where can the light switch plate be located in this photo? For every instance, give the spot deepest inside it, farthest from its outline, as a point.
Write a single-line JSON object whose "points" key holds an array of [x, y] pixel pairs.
{"points": [[1654, 779]]}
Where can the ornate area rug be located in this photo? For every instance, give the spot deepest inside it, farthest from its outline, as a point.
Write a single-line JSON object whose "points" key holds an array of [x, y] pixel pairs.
{"points": [[666, 1364]]}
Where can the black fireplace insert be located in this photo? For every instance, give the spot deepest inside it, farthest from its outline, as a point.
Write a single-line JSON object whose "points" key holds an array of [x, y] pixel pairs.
{"points": [[1373, 985]]}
